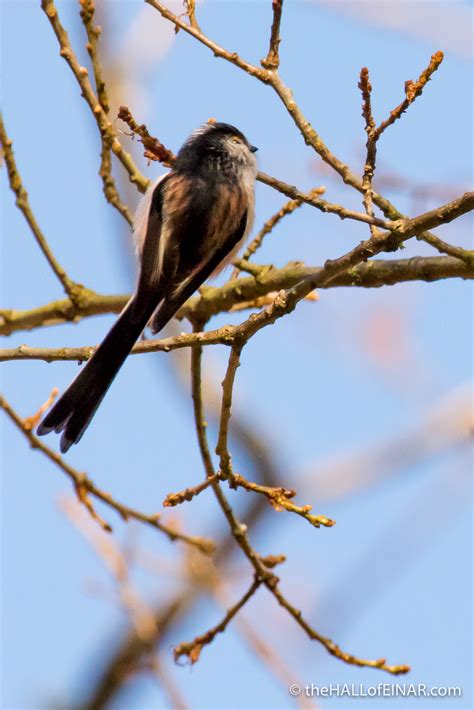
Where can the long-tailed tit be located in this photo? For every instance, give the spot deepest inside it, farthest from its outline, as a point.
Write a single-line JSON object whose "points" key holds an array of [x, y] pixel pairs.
{"points": [[189, 225]]}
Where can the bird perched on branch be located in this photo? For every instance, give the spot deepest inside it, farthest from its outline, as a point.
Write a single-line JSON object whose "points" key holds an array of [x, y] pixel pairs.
{"points": [[189, 225]]}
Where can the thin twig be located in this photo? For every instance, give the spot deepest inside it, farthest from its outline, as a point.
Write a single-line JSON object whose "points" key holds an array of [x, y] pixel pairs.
{"points": [[222, 448], [371, 145], [280, 499], [413, 89], [154, 149], [192, 649], [264, 651], [84, 485], [188, 494], [107, 131], [93, 33], [191, 13], [239, 532], [272, 60], [287, 209], [105, 171], [445, 248], [333, 648], [72, 289]]}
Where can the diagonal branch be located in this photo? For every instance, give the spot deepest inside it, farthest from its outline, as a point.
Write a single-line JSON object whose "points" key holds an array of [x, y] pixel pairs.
{"points": [[413, 89], [107, 131], [105, 171], [73, 290], [287, 209], [83, 485], [193, 648]]}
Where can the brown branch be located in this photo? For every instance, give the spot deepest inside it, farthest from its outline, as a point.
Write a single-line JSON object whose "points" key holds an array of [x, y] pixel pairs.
{"points": [[29, 423], [93, 33], [270, 224], [272, 60], [222, 448], [413, 89], [218, 51], [445, 248], [444, 214], [191, 13], [333, 648], [237, 529], [63, 311], [73, 289], [371, 145], [106, 129], [83, 485], [154, 150], [239, 532], [188, 494], [105, 171], [264, 651], [279, 498], [193, 648], [245, 290]]}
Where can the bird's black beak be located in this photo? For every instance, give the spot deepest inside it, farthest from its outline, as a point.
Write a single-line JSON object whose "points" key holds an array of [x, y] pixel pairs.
{"points": [[253, 149]]}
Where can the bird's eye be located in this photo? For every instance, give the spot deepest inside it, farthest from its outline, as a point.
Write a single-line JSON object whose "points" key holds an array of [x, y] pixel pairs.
{"points": [[234, 139]]}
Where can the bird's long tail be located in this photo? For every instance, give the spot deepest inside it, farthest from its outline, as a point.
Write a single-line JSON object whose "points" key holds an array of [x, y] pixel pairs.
{"points": [[73, 412]]}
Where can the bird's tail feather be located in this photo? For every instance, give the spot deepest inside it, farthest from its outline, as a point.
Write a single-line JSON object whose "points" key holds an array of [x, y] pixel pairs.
{"points": [[73, 412]]}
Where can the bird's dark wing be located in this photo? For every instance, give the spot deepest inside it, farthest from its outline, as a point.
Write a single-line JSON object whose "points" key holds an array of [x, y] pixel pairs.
{"points": [[173, 301], [151, 271]]}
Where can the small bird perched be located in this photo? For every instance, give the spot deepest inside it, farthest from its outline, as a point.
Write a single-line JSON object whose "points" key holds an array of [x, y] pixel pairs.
{"points": [[189, 225]]}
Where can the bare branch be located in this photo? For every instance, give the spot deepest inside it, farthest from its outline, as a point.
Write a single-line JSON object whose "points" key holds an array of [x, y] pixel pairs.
{"points": [[239, 532], [188, 494], [107, 131], [83, 485], [154, 150], [270, 224], [191, 13], [279, 498], [105, 170], [413, 89], [434, 218], [246, 291], [272, 60], [73, 289], [371, 145], [93, 34], [193, 648], [222, 449], [333, 648]]}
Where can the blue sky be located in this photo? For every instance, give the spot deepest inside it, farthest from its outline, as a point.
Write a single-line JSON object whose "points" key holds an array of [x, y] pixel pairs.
{"points": [[393, 577]]}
